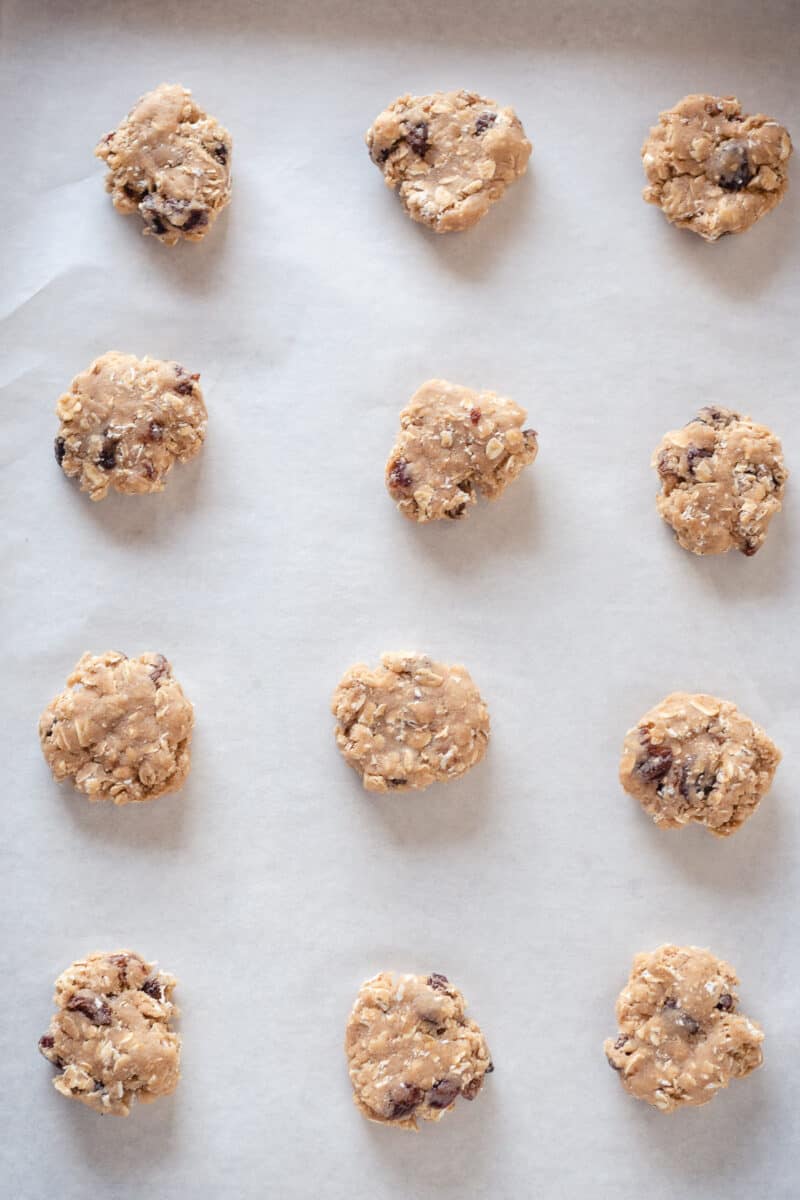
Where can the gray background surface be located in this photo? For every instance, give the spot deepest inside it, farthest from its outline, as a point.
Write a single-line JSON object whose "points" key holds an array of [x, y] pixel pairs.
{"points": [[271, 885]]}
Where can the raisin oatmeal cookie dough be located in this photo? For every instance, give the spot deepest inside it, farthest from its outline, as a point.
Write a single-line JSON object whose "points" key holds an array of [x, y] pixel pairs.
{"points": [[681, 1038], [410, 722], [125, 421], [411, 1050], [121, 731], [453, 444], [451, 155], [170, 162], [694, 758], [713, 169], [722, 480], [111, 1037]]}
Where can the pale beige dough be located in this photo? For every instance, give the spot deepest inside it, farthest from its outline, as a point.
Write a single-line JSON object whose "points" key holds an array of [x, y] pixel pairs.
{"points": [[171, 162], [713, 169], [411, 1050], [410, 722], [694, 758], [111, 1037], [125, 421], [451, 155], [722, 480], [121, 731], [453, 444], [681, 1038]]}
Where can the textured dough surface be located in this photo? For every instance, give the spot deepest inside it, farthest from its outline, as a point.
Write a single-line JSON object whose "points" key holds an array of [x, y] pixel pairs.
{"points": [[410, 722], [681, 1038], [125, 421], [722, 479], [451, 155], [713, 169], [411, 1050], [453, 444], [697, 758], [111, 1037], [122, 729], [170, 162]]}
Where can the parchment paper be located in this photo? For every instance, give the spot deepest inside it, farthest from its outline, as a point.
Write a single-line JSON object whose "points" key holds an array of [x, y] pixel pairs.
{"points": [[271, 885]]}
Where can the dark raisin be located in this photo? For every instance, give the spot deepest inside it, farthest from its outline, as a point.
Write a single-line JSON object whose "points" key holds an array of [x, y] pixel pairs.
{"points": [[220, 152], [60, 449], [750, 547], [490, 1068], [92, 1007], [681, 1017], [47, 1041], [396, 782], [438, 982], [484, 121], [186, 382], [404, 1099], [196, 219], [657, 763], [613, 1065], [443, 1093], [620, 1042], [155, 431], [387, 150], [455, 513], [475, 415], [718, 417], [108, 455], [694, 454], [159, 668], [471, 1089], [153, 988], [399, 475], [417, 138], [133, 193], [466, 486], [730, 165], [725, 1002]]}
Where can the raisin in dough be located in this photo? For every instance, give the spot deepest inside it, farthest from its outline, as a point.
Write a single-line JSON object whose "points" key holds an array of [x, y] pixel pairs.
{"points": [[111, 1037], [411, 1050], [454, 443], [170, 161], [410, 722], [125, 421], [451, 155], [696, 758], [680, 1038], [122, 729], [712, 169], [722, 480]]}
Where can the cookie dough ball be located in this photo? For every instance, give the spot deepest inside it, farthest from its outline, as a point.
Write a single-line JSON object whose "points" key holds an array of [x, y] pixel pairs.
{"points": [[722, 480], [712, 169], [111, 1037], [122, 729], [454, 443], [125, 421], [411, 1050], [696, 758], [681, 1038], [451, 155], [171, 162], [410, 722]]}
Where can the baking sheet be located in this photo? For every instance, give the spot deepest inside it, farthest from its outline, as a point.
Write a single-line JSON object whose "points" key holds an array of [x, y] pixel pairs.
{"points": [[271, 885]]}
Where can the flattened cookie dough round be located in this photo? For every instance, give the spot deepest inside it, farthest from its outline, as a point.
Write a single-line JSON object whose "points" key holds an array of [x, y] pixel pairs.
{"points": [[122, 729], [713, 169], [410, 722], [722, 481], [697, 758], [111, 1037], [453, 444], [681, 1038], [451, 155], [171, 162], [411, 1050], [125, 421]]}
